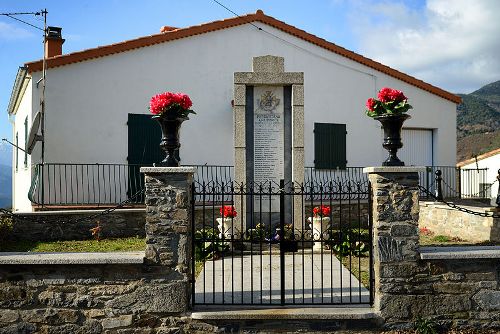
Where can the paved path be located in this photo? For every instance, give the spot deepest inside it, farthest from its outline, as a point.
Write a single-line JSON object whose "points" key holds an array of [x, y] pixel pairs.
{"points": [[255, 279]]}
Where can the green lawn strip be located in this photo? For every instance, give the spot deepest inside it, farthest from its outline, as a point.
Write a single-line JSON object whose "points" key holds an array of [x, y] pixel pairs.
{"points": [[355, 264], [443, 240], [106, 245]]}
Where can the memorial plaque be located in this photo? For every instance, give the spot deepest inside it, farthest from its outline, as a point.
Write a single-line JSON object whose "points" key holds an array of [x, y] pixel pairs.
{"points": [[269, 126]]}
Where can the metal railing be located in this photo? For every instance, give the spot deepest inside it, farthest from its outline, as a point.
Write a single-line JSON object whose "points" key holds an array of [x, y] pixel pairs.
{"points": [[457, 183], [65, 184], [85, 184]]}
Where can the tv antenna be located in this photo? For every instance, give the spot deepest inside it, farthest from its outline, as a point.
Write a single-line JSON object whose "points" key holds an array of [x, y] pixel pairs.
{"points": [[39, 120]]}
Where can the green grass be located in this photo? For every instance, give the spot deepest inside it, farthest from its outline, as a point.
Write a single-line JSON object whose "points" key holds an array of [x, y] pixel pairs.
{"points": [[198, 267], [355, 264], [106, 245]]}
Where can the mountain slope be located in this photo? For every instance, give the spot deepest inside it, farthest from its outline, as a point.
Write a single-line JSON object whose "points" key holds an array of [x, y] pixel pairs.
{"points": [[5, 186], [490, 92], [5, 154], [478, 121]]}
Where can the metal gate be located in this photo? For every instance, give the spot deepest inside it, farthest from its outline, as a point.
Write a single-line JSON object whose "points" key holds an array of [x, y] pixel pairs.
{"points": [[282, 244]]}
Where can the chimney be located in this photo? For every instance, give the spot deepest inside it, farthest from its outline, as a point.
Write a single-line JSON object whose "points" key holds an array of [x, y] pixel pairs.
{"points": [[167, 29], [54, 42]]}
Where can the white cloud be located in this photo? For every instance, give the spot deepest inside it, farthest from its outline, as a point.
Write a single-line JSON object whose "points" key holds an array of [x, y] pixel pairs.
{"points": [[12, 32], [450, 43]]}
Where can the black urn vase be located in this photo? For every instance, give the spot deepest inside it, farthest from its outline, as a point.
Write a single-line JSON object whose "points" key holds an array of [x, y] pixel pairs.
{"points": [[170, 125], [392, 125]]}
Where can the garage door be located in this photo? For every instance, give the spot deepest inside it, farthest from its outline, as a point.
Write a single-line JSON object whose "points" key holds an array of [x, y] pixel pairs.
{"points": [[417, 147]]}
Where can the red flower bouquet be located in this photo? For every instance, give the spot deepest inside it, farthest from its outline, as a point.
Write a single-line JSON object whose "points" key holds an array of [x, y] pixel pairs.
{"points": [[169, 102], [321, 211], [228, 211], [390, 102]]}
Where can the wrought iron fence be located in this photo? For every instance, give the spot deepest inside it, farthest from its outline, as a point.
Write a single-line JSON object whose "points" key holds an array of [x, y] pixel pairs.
{"points": [[67, 184], [280, 244], [85, 184]]}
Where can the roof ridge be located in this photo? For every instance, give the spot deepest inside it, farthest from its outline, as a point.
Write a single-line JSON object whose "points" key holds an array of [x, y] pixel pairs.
{"points": [[479, 157], [259, 16]]}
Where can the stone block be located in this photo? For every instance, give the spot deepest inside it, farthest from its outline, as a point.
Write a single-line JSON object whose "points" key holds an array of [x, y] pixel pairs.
{"points": [[267, 78], [20, 327], [239, 126], [239, 165], [481, 276], [453, 276], [239, 95], [120, 321], [268, 63], [15, 296], [396, 306], [297, 95], [298, 126], [389, 250], [8, 316], [298, 164], [162, 298], [488, 300], [454, 287], [50, 316], [400, 270], [404, 230]]}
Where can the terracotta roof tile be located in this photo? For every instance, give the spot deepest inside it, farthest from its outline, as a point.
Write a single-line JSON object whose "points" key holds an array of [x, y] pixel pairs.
{"points": [[479, 157], [259, 16]]}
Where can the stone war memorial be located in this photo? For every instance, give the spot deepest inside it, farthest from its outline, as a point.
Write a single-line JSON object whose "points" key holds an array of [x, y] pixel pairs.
{"points": [[265, 252], [268, 131]]}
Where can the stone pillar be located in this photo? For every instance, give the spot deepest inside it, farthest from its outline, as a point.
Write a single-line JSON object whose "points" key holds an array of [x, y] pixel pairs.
{"points": [[395, 235], [168, 227]]}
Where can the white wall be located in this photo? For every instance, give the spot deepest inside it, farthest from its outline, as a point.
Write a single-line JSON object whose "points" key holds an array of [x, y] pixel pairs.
{"points": [[493, 165], [22, 176], [87, 103]]}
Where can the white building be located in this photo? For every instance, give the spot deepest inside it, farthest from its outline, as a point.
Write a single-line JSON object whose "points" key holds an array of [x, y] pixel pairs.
{"points": [[91, 95], [485, 184]]}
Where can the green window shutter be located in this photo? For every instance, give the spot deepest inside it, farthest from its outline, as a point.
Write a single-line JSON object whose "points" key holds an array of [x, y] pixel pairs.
{"points": [[26, 141], [144, 136], [329, 146]]}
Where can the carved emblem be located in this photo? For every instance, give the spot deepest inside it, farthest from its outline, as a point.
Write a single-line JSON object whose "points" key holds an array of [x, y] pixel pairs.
{"points": [[268, 101]]}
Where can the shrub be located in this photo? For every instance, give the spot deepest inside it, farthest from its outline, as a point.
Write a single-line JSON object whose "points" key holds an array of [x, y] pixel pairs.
{"points": [[6, 227], [441, 238], [425, 326], [208, 244]]}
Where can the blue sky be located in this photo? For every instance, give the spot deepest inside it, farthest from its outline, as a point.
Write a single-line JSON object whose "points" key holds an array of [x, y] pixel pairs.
{"points": [[449, 43]]}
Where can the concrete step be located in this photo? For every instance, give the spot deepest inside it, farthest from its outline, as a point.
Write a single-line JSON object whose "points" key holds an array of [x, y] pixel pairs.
{"points": [[291, 320]]}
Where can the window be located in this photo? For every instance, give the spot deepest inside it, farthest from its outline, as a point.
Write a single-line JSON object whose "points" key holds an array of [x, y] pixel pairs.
{"points": [[17, 151], [25, 142], [329, 146]]}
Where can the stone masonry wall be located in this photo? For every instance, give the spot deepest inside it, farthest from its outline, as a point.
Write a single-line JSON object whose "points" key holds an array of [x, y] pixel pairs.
{"points": [[93, 299], [443, 220], [53, 226], [458, 292], [114, 298], [453, 293]]}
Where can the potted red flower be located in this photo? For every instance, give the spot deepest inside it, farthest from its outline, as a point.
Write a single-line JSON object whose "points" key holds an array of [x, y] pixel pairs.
{"points": [[390, 109], [170, 110], [319, 224], [226, 224]]}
